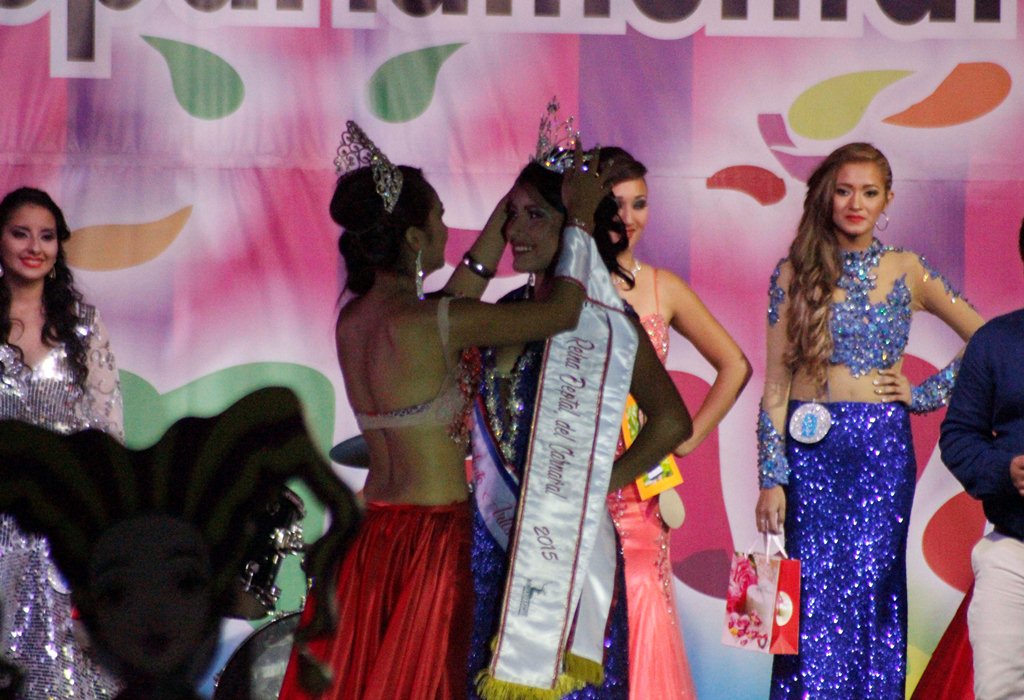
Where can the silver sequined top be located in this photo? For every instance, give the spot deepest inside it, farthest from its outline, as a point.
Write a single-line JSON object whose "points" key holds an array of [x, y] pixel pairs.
{"points": [[36, 622]]}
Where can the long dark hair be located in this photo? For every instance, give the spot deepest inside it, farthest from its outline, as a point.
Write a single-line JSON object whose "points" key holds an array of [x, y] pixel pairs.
{"points": [[1020, 240], [548, 185], [624, 166], [620, 165], [60, 298], [372, 238]]}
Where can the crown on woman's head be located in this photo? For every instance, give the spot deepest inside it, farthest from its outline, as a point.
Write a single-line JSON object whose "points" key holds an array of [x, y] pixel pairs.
{"points": [[556, 141], [356, 150]]}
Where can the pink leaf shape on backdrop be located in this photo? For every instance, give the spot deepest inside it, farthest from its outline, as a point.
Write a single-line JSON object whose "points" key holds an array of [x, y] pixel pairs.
{"points": [[702, 547], [460, 240], [924, 427]]}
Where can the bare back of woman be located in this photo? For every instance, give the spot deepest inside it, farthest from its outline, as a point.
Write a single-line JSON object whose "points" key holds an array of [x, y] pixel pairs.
{"points": [[404, 590], [400, 362]]}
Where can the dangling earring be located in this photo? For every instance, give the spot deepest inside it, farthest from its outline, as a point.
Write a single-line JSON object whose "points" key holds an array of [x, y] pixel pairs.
{"points": [[886, 216], [53, 273], [531, 283], [419, 274], [1, 270]]}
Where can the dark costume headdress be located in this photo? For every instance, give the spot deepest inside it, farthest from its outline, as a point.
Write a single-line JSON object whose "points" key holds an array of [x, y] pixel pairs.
{"points": [[213, 473]]}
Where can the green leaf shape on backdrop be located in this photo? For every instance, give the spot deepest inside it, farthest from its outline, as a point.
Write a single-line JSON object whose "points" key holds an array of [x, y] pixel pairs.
{"points": [[206, 85], [148, 414], [834, 106], [403, 87]]}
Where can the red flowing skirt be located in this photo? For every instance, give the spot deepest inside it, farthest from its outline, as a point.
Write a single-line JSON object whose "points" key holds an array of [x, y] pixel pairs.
{"points": [[950, 673], [405, 606]]}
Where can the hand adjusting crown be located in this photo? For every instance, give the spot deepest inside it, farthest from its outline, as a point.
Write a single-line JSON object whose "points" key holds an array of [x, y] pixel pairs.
{"points": [[556, 141]]}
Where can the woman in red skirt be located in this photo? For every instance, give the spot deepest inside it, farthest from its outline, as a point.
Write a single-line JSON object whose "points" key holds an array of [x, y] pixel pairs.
{"points": [[404, 593]]}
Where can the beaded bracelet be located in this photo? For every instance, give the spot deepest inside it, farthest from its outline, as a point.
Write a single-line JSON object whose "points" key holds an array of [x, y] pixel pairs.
{"points": [[476, 267]]}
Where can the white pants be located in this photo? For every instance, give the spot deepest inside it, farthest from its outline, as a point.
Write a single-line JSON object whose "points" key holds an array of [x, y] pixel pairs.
{"points": [[995, 618]]}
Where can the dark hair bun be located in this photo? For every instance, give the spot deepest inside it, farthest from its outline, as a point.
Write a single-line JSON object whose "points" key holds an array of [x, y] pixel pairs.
{"points": [[372, 238]]}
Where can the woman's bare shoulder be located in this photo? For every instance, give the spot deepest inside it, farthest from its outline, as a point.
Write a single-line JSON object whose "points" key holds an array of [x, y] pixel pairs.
{"points": [[667, 279]]}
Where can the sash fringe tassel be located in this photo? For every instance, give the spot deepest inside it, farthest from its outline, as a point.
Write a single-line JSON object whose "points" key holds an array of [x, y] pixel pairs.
{"points": [[587, 670], [490, 688]]}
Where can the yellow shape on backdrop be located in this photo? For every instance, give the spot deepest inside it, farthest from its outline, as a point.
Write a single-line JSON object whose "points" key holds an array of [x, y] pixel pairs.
{"points": [[834, 106], [117, 246]]}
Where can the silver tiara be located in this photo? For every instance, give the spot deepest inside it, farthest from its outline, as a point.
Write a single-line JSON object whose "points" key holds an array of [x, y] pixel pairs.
{"points": [[356, 150], [556, 141]]}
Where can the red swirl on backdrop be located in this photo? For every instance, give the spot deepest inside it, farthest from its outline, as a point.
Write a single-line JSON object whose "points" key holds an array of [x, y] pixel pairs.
{"points": [[763, 185], [949, 537]]}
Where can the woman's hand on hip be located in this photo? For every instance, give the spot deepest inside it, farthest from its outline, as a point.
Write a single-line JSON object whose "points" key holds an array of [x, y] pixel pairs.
{"points": [[892, 386]]}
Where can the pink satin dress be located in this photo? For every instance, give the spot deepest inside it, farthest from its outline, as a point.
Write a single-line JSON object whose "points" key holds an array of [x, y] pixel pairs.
{"points": [[658, 668]]}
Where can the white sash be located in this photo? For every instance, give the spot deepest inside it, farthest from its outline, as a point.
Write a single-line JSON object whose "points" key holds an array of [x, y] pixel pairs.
{"points": [[562, 551]]}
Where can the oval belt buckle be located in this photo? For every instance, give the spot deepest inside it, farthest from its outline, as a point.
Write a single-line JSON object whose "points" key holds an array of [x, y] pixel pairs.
{"points": [[810, 423]]}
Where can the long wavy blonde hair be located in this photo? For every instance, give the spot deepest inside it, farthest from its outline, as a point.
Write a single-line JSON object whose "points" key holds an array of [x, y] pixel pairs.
{"points": [[817, 264]]}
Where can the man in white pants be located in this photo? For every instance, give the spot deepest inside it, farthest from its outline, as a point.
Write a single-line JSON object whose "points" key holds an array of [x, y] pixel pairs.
{"points": [[982, 443]]}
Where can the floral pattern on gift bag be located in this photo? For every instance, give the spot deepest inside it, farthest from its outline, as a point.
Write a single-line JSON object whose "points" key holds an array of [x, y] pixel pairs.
{"points": [[762, 605]]}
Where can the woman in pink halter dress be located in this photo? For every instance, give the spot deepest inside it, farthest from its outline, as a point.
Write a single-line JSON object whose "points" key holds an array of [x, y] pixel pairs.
{"points": [[657, 655]]}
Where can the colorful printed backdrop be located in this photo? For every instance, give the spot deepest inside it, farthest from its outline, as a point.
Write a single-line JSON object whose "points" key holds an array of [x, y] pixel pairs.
{"points": [[191, 144]]}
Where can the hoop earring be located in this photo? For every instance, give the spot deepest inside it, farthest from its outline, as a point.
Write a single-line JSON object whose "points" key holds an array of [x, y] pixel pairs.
{"points": [[419, 274], [882, 228]]}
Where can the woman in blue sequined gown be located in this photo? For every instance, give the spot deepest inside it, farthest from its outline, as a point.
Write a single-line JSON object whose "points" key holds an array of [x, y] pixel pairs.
{"points": [[56, 371], [535, 216], [839, 316]]}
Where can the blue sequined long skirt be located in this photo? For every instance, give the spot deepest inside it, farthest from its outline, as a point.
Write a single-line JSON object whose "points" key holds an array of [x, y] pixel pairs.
{"points": [[489, 563], [848, 509]]}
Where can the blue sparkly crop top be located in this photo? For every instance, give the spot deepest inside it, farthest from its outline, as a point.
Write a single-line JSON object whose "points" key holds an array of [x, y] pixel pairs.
{"points": [[865, 336], [868, 336]]}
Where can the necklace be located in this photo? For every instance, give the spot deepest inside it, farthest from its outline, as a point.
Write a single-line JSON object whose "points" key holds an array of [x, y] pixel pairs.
{"points": [[620, 283]]}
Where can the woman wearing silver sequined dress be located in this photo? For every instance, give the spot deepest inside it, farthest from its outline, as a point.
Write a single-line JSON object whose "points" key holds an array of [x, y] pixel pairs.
{"points": [[837, 467], [56, 371]]}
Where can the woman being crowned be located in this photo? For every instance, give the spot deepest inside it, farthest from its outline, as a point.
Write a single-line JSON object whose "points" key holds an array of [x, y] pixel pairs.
{"points": [[404, 587], [550, 612]]}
